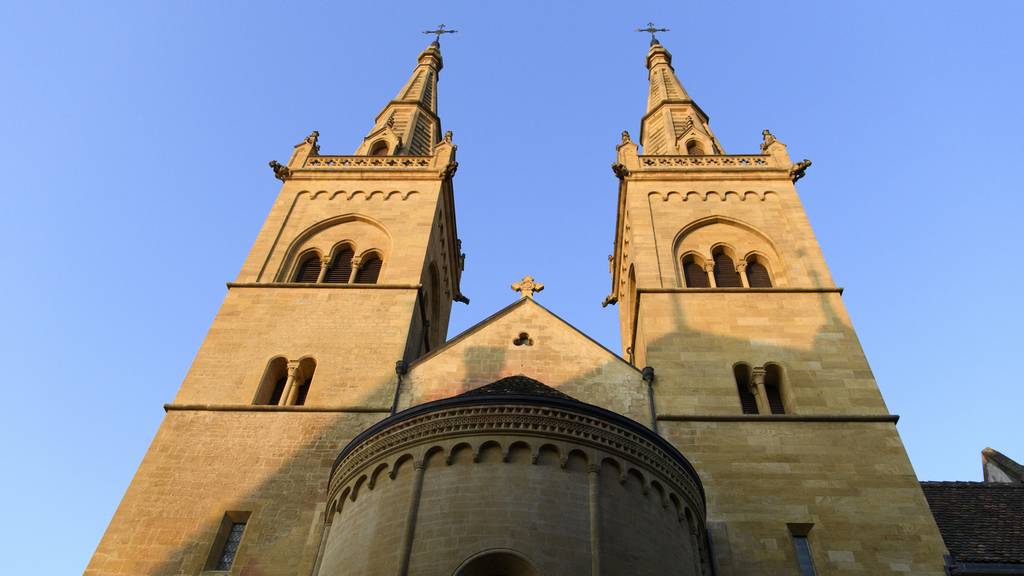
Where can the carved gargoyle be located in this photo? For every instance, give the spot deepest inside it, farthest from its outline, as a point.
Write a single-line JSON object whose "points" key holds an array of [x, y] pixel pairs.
{"points": [[448, 137], [620, 170], [768, 139], [311, 140], [609, 299], [281, 172], [798, 169], [449, 170], [625, 137]]}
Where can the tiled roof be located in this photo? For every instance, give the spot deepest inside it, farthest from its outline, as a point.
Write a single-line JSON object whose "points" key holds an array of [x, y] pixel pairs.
{"points": [[518, 385], [981, 522]]}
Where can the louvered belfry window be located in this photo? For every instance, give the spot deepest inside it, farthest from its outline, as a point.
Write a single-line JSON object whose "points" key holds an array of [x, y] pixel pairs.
{"points": [[757, 275], [747, 400], [309, 269], [726, 275], [341, 267], [694, 274], [369, 270]]}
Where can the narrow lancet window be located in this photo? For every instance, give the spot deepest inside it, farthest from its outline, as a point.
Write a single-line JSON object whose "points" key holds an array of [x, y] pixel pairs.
{"points": [[303, 378], [748, 402], [802, 547], [228, 539], [773, 388], [272, 385]]}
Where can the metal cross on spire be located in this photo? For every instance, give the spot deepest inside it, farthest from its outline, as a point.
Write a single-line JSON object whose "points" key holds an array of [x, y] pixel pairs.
{"points": [[440, 30], [651, 30]]}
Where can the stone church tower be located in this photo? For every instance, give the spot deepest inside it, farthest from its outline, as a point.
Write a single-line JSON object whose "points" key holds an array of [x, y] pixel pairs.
{"points": [[326, 427]]}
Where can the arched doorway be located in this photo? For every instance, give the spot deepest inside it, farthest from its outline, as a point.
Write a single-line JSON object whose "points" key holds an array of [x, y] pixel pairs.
{"points": [[496, 563]]}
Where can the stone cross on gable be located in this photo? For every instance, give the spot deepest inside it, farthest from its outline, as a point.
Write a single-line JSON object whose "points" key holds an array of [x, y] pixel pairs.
{"points": [[527, 287]]}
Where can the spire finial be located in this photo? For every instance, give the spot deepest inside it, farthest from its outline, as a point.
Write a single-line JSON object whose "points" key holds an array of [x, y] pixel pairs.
{"points": [[527, 287], [651, 30], [437, 33]]}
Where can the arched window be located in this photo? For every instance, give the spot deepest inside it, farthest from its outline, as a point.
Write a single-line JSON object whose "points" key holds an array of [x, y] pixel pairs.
{"points": [[693, 148], [303, 378], [773, 388], [757, 274], [747, 400], [726, 275], [340, 270], [272, 384], [694, 274], [309, 268], [497, 564], [379, 148], [369, 269]]}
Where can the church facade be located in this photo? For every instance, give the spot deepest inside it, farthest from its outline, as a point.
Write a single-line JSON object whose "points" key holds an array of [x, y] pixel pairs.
{"points": [[327, 427]]}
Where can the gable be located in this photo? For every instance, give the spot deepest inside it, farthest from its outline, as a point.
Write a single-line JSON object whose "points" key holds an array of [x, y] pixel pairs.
{"points": [[553, 352]]}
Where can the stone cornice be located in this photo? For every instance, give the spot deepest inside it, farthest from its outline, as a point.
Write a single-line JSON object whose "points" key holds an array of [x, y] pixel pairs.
{"points": [[324, 286], [263, 408], [885, 418], [835, 290]]}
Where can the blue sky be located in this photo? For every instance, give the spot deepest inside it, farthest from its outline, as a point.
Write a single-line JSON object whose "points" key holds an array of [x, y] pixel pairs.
{"points": [[136, 138]]}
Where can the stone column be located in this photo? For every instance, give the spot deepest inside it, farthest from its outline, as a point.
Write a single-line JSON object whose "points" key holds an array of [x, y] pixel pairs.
{"points": [[741, 269], [410, 520], [325, 263], [289, 385], [356, 260], [757, 389], [709, 269], [323, 540]]}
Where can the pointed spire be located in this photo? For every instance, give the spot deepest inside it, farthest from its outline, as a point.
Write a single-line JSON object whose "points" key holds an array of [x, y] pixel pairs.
{"points": [[409, 125], [674, 124]]}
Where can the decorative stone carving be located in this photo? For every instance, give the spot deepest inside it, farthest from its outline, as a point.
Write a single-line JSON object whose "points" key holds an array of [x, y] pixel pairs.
{"points": [[281, 172], [798, 169], [448, 137], [625, 137], [620, 170], [527, 287], [449, 170], [768, 140]]}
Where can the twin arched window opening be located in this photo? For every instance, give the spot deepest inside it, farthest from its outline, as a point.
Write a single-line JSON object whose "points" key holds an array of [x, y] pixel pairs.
{"points": [[759, 388], [753, 273], [286, 383], [342, 268]]}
